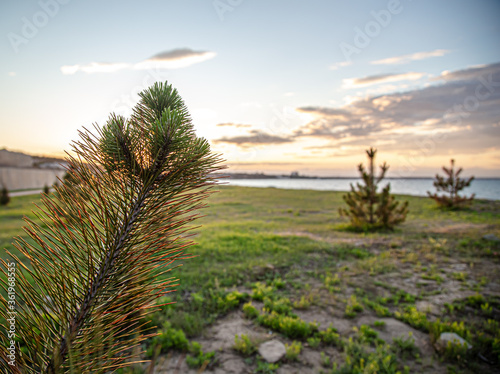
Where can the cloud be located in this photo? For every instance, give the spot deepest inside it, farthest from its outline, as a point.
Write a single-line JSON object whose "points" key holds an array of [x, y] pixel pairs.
{"points": [[254, 137], [94, 67], [381, 78], [11, 74], [175, 59], [461, 110], [237, 125], [172, 59], [399, 60], [473, 72], [342, 64]]}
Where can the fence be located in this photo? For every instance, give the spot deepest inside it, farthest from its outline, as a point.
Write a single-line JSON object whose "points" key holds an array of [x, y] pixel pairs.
{"points": [[28, 178]]}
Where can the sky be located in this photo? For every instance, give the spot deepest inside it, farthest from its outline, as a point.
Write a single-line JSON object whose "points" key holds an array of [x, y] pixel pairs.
{"points": [[276, 86]]}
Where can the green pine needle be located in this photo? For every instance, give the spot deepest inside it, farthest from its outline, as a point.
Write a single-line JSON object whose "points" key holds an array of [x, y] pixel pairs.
{"points": [[107, 237]]}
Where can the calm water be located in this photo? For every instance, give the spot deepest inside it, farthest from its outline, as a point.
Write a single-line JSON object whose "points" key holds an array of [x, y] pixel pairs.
{"points": [[483, 188]]}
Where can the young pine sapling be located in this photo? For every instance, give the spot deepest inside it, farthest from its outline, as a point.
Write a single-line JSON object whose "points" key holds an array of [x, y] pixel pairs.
{"points": [[451, 185], [369, 209]]}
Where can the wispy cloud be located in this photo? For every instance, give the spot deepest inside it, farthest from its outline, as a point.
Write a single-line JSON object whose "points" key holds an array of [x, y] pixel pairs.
{"points": [[338, 65], [231, 124], [399, 60], [254, 137], [381, 78], [175, 59], [473, 72], [95, 67], [172, 59], [11, 73]]}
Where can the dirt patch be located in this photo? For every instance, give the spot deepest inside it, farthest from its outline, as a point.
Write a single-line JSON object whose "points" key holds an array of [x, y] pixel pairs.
{"points": [[458, 227]]}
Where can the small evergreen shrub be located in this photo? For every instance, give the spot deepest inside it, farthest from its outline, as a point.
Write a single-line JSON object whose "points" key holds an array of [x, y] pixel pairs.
{"points": [[451, 185], [371, 210], [4, 196]]}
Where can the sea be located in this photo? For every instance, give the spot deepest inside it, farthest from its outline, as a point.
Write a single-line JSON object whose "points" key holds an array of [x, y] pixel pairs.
{"points": [[483, 188]]}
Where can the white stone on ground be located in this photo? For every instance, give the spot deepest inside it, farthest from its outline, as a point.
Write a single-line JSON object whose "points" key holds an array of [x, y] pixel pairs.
{"points": [[451, 337], [272, 351]]}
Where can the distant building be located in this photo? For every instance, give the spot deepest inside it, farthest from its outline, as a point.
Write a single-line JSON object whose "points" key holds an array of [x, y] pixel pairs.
{"points": [[15, 159], [19, 171], [295, 174]]}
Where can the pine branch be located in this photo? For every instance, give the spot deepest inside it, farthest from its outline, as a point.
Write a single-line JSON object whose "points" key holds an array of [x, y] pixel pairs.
{"points": [[108, 237]]}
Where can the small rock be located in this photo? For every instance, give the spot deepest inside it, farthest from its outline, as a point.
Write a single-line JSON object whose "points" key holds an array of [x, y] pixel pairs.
{"points": [[451, 337], [491, 238], [234, 365], [272, 351]]}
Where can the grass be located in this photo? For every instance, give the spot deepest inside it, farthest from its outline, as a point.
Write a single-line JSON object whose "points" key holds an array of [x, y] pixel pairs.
{"points": [[271, 254]]}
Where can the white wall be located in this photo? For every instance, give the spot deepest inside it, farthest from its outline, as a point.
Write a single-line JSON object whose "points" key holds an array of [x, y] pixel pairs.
{"points": [[28, 178]]}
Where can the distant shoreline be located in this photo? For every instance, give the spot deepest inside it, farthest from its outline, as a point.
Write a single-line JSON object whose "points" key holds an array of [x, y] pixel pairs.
{"points": [[276, 176]]}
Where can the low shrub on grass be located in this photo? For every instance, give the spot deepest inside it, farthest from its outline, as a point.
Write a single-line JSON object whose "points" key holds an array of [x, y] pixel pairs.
{"points": [[244, 345], [304, 302], [357, 360], [314, 342], [330, 336], [293, 351], [325, 360], [413, 317], [291, 327], [196, 358], [250, 311], [278, 283], [405, 347], [230, 300], [168, 339], [353, 307], [280, 306], [266, 367], [437, 327], [332, 283], [260, 291], [380, 310], [369, 335]]}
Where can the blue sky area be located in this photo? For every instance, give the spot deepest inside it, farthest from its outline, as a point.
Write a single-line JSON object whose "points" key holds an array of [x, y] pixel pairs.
{"points": [[275, 86]]}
